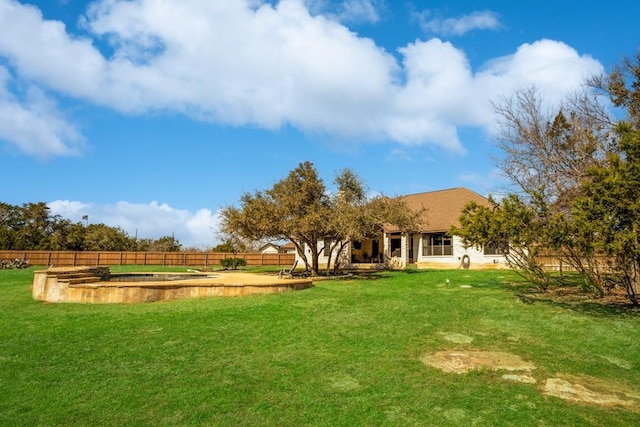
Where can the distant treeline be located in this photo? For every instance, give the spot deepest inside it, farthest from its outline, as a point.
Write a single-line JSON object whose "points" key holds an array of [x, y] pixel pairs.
{"points": [[32, 227]]}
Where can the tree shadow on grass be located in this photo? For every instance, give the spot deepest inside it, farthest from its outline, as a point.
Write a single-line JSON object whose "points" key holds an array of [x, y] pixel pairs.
{"points": [[580, 302]]}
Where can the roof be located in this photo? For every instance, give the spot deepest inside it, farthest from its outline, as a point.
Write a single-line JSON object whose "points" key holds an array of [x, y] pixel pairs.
{"points": [[289, 246], [442, 207]]}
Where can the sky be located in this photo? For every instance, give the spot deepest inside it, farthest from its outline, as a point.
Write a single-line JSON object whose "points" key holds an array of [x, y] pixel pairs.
{"points": [[152, 115]]}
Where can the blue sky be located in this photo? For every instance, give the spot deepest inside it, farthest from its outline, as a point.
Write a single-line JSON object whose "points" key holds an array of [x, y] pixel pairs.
{"points": [[153, 115]]}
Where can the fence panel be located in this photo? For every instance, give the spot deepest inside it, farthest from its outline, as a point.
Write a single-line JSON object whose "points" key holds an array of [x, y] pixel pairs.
{"points": [[206, 259]]}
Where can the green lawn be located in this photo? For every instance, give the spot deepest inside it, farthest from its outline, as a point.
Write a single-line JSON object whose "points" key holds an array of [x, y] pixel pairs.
{"points": [[343, 353]]}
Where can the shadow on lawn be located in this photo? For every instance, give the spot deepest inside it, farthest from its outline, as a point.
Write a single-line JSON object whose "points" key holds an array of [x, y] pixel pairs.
{"points": [[570, 298]]}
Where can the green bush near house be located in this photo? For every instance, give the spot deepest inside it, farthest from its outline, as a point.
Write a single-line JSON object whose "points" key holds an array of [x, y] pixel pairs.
{"points": [[345, 352]]}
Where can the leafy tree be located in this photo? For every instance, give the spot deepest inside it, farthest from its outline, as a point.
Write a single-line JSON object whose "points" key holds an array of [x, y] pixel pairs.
{"points": [[226, 246], [578, 172], [300, 209], [66, 236], [162, 244], [99, 237], [356, 217], [9, 225], [294, 209], [607, 213], [514, 227]]}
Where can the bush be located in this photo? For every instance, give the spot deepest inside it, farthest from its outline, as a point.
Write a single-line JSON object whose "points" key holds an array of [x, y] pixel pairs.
{"points": [[233, 263]]}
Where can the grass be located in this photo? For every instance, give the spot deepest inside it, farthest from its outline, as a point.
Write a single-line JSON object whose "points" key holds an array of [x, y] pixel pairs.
{"points": [[343, 353]]}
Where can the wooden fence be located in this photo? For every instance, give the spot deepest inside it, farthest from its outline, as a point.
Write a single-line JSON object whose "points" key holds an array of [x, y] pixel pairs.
{"points": [[81, 258], [552, 262]]}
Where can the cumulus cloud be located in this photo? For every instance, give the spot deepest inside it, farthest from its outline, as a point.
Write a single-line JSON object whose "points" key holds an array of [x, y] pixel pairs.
{"points": [[153, 220], [479, 20], [33, 123], [269, 64]]}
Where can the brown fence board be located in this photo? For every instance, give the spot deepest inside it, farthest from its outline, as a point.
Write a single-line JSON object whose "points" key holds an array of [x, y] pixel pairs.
{"points": [[196, 259]]}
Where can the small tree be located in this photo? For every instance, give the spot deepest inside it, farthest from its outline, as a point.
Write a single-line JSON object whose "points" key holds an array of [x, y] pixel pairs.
{"points": [[513, 227]]}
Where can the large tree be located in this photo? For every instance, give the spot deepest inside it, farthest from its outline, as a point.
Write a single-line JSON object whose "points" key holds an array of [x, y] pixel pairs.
{"points": [[576, 174], [302, 210], [294, 209], [355, 216]]}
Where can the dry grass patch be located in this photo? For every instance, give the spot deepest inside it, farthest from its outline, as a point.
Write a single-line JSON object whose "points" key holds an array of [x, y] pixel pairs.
{"points": [[596, 393], [461, 362]]}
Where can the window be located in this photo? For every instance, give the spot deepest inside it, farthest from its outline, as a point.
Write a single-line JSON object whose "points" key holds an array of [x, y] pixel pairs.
{"points": [[438, 244], [496, 249], [395, 242], [357, 245]]}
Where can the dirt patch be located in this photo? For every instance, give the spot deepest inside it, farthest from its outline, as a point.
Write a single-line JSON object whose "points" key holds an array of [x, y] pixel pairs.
{"points": [[573, 389], [599, 394], [461, 362]]}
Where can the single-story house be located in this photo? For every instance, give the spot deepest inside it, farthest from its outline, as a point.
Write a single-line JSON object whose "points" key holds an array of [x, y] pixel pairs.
{"points": [[429, 247], [273, 248], [269, 248]]}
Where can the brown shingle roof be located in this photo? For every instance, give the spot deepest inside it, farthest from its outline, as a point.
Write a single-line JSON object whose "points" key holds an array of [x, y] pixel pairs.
{"points": [[443, 207]]}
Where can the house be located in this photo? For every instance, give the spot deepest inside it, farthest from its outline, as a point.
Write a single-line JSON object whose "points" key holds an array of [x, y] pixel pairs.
{"points": [[432, 246], [429, 247], [272, 248], [269, 248]]}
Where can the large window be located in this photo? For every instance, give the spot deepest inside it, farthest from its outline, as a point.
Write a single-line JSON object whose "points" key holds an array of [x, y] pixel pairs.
{"points": [[437, 244]]}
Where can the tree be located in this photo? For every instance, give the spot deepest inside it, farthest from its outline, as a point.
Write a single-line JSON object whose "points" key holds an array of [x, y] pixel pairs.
{"points": [[512, 226], [161, 244], [294, 209], [300, 209], [578, 172], [551, 149], [99, 237], [226, 246]]}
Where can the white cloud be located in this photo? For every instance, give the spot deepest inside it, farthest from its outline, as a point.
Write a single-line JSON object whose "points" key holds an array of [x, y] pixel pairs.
{"points": [[480, 20], [153, 220], [245, 62], [358, 11], [34, 124]]}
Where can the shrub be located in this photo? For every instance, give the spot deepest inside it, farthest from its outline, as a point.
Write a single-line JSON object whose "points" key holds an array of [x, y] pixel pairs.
{"points": [[233, 263]]}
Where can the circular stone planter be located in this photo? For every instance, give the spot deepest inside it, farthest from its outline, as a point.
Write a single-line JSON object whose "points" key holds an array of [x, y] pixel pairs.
{"points": [[99, 285]]}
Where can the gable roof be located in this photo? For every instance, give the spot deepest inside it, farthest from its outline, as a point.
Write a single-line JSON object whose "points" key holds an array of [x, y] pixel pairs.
{"points": [[442, 207]]}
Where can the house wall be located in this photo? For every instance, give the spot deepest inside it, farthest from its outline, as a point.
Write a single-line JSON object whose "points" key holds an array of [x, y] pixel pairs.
{"points": [[477, 258], [322, 259]]}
